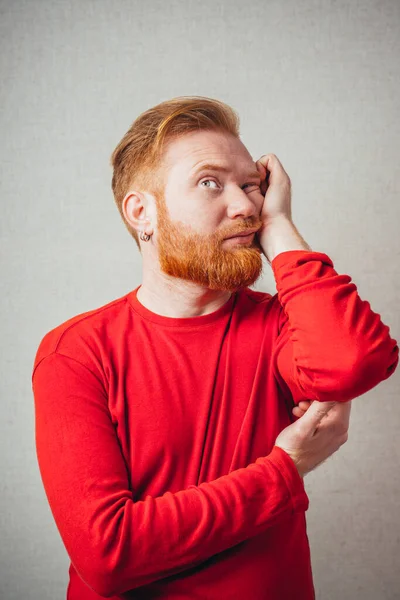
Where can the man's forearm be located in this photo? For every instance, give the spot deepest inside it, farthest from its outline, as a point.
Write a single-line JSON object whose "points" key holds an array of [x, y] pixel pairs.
{"points": [[279, 236]]}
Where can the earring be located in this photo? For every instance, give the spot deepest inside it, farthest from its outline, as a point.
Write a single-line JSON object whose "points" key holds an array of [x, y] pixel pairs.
{"points": [[144, 236]]}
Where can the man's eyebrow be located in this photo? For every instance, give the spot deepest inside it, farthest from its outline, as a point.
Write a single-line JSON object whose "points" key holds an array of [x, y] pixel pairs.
{"points": [[215, 167]]}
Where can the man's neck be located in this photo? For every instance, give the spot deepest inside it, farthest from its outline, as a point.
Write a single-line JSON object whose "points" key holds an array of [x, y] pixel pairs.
{"points": [[177, 298]]}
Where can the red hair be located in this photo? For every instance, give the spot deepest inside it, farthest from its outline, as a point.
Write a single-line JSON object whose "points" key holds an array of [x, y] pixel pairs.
{"points": [[137, 159]]}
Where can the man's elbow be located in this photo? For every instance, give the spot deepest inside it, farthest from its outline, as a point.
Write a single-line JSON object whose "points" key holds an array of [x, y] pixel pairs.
{"points": [[363, 375]]}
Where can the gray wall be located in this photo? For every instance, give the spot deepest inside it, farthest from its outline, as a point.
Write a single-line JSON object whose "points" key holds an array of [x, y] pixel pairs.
{"points": [[316, 83]]}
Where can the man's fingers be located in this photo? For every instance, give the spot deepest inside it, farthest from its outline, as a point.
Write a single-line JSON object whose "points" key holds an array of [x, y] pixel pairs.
{"points": [[333, 413], [304, 404], [264, 175], [340, 414], [301, 407], [314, 415], [261, 169], [272, 164]]}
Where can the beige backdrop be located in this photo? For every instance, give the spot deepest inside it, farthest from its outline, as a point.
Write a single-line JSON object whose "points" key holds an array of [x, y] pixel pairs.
{"points": [[316, 83]]}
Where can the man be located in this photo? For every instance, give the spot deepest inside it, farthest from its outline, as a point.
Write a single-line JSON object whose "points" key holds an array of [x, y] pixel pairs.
{"points": [[165, 427]]}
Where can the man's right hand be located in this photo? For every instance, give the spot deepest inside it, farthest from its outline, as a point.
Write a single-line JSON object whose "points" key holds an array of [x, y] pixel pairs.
{"points": [[316, 435]]}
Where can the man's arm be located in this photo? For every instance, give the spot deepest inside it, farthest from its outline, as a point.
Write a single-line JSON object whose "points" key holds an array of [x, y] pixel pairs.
{"points": [[281, 235], [331, 345], [116, 543]]}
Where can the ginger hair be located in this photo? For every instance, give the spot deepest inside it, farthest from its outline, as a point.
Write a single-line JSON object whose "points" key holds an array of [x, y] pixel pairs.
{"points": [[137, 160]]}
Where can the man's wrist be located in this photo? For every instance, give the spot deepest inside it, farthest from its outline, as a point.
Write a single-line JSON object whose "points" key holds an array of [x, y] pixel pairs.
{"points": [[281, 235]]}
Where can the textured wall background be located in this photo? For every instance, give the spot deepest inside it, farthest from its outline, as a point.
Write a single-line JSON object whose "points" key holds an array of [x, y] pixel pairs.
{"points": [[317, 83]]}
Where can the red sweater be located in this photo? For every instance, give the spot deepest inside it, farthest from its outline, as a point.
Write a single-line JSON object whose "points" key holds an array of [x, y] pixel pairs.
{"points": [[155, 435]]}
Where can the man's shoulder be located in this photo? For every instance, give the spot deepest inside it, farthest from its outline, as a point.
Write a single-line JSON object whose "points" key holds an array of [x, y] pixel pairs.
{"points": [[83, 332]]}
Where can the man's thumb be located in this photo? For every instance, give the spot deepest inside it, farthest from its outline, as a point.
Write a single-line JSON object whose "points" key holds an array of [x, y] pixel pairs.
{"points": [[315, 413]]}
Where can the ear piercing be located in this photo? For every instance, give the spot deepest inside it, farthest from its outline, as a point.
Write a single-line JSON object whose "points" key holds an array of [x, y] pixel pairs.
{"points": [[144, 236]]}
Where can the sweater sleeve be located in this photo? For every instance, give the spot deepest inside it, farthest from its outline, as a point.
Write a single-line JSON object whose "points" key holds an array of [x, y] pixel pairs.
{"points": [[331, 345], [115, 543]]}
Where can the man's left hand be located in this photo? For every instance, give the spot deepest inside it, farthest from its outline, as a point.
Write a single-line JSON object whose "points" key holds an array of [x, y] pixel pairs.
{"points": [[276, 187], [343, 410]]}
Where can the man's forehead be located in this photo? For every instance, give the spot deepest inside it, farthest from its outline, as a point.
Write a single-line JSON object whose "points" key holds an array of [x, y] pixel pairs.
{"points": [[226, 166], [223, 162], [190, 151]]}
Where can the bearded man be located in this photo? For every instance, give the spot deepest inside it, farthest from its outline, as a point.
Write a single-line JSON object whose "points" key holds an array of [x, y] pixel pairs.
{"points": [[175, 425]]}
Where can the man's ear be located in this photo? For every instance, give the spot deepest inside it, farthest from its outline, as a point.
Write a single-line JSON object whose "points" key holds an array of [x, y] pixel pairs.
{"points": [[138, 211]]}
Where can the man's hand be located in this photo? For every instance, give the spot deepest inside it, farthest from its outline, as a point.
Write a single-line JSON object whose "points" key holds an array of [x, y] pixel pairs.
{"points": [[313, 438], [277, 233], [276, 187], [301, 408], [340, 414]]}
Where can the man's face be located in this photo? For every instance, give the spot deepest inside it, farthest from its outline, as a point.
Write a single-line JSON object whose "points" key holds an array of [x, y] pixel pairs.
{"points": [[200, 208]]}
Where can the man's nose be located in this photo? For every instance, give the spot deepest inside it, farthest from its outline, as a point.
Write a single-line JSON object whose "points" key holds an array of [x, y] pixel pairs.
{"points": [[240, 204]]}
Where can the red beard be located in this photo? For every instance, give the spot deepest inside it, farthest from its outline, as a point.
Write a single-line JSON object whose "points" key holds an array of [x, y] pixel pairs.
{"points": [[202, 259]]}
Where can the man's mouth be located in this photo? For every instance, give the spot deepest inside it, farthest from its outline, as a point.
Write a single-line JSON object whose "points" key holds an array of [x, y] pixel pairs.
{"points": [[246, 233]]}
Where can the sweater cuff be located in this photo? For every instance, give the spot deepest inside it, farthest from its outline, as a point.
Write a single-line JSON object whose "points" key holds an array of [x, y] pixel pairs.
{"points": [[296, 257], [294, 482]]}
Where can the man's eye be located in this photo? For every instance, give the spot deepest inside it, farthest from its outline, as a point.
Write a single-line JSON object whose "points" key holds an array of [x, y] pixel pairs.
{"points": [[257, 187], [254, 185], [208, 181]]}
